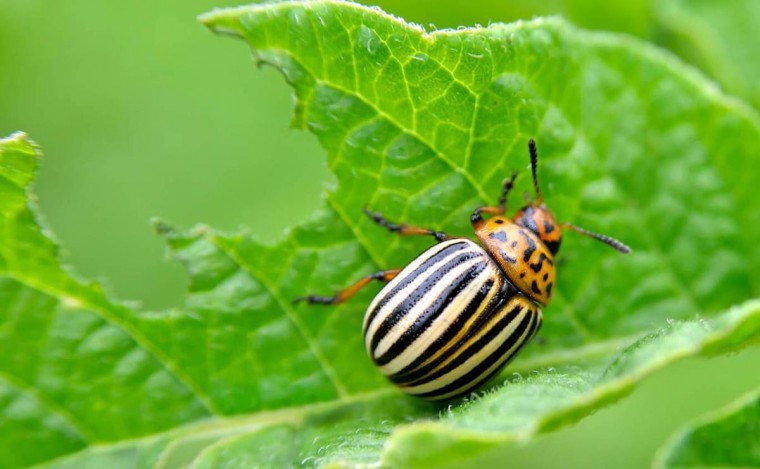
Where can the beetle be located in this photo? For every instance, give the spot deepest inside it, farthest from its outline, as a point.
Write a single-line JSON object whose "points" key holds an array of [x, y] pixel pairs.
{"points": [[458, 313]]}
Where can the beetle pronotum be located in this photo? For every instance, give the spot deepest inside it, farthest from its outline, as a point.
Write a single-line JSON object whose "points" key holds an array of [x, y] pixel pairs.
{"points": [[459, 312]]}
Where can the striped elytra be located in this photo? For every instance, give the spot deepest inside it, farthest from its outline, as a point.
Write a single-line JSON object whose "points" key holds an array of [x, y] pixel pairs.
{"points": [[448, 322], [458, 313]]}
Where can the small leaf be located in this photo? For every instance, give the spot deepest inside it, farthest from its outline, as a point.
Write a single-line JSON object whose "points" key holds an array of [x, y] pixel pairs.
{"points": [[729, 437]]}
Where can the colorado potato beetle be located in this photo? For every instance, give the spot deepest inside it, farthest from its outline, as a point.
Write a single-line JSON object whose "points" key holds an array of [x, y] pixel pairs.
{"points": [[460, 311]]}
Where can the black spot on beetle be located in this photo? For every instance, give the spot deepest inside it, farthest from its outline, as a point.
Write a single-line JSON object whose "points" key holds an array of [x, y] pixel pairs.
{"points": [[531, 245], [522, 274], [553, 246], [549, 289], [539, 263], [534, 287], [546, 276], [499, 236], [506, 257], [499, 221]]}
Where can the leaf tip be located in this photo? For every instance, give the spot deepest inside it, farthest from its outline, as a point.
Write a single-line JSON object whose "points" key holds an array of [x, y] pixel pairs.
{"points": [[19, 141], [220, 21], [16, 136]]}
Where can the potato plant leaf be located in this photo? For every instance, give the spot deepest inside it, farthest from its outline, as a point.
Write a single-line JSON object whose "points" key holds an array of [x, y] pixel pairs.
{"points": [[76, 368], [423, 127], [729, 437]]}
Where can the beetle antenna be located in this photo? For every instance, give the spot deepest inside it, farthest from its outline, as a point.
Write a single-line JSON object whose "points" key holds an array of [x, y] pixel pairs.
{"points": [[534, 169], [609, 241]]}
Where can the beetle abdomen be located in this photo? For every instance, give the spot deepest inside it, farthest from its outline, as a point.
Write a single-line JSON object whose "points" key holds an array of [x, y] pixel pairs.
{"points": [[426, 317], [495, 341]]}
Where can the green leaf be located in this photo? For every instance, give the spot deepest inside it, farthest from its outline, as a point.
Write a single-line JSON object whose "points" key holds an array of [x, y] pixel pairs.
{"points": [[351, 431], [725, 438], [423, 127], [718, 37], [76, 370], [546, 401]]}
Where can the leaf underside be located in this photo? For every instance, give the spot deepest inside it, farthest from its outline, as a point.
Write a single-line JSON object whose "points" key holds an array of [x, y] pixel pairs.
{"points": [[423, 127]]}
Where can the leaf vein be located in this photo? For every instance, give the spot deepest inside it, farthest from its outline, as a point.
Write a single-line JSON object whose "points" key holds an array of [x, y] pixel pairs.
{"points": [[290, 313], [54, 408], [164, 361]]}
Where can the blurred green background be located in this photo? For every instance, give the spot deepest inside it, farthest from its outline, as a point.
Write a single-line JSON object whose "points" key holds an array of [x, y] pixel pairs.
{"points": [[141, 112]]}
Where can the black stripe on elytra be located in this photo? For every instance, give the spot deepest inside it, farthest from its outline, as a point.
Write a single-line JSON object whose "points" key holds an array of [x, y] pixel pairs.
{"points": [[403, 308], [469, 380], [413, 371], [423, 321], [548, 227], [412, 276], [534, 327], [531, 245], [484, 335]]}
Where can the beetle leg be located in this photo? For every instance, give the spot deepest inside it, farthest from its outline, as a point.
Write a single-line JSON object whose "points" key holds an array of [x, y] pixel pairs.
{"points": [[476, 218], [505, 188], [348, 293], [404, 230]]}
